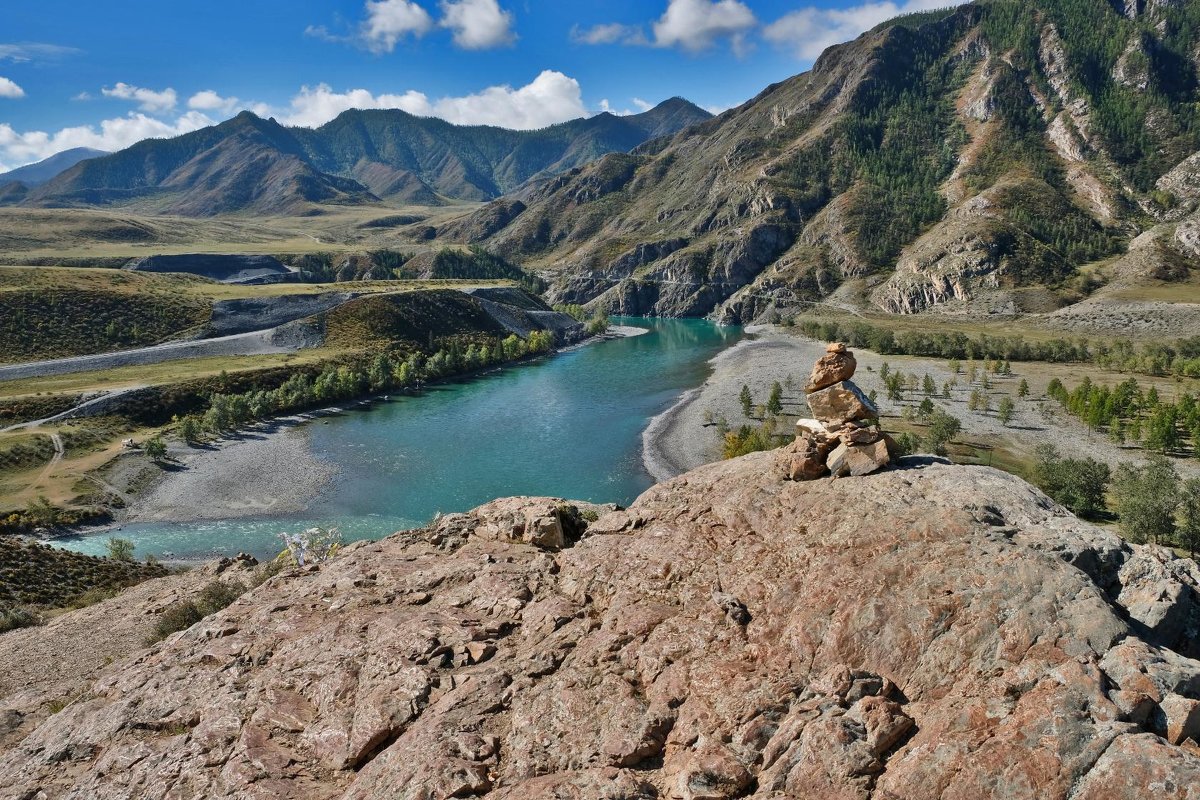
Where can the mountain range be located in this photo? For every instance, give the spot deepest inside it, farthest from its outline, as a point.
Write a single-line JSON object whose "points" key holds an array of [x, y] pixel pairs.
{"points": [[949, 159], [248, 164], [44, 170]]}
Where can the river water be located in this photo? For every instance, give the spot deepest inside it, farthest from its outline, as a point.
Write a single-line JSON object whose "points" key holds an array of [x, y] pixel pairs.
{"points": [[567, 425]]}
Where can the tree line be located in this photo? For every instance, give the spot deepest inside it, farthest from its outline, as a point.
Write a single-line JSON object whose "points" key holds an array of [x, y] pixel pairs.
{"points": [[1130, 414], [384, 371], [1180, 357]]}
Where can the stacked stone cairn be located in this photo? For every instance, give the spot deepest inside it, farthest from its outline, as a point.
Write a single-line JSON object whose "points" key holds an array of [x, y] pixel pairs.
{"points": [[844, 439]]}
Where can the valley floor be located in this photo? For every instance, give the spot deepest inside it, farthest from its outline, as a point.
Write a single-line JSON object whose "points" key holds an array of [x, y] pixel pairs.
{"points": [[686, 436]]}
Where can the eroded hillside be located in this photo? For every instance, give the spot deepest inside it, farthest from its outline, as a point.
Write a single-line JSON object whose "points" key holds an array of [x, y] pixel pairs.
{"points": [[949, 158]]}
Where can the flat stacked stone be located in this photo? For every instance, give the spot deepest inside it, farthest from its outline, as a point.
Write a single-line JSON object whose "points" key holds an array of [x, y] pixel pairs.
{"points": [[844, 437]]}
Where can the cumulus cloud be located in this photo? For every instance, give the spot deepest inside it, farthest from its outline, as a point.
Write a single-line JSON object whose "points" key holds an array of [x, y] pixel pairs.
{"points": [[549, 98], [638, 103], [23, 52], [208, 100], [111, 134], [808, 31], [697, 25], [389, 21], [147, 99], [609, 33], [693, 25], [10, 90], [477, 24]]}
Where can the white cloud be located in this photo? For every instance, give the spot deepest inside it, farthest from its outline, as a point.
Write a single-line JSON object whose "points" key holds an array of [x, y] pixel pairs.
{"points": [[389, 21], [208, 100], [22, 52], [549, 98], [147, 99], [697, 25], [808, 31], [478, 24], [610, 33], [111, 134], [10, 90], [639, 106]]}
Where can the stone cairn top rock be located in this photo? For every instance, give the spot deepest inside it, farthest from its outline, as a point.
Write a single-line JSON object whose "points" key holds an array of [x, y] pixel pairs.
{"points": [[844, 437]]}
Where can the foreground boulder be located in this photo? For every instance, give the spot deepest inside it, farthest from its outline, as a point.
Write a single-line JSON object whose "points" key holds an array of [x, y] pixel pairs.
{"points": [[925, 632]]}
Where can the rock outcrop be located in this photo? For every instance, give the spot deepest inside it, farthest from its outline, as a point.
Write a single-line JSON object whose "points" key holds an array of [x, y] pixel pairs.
{"points": [[926, 632], [845, 438]]}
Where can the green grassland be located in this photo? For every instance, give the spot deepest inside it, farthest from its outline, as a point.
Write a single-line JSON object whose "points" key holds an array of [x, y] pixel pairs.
{"points": [[82, 237]]}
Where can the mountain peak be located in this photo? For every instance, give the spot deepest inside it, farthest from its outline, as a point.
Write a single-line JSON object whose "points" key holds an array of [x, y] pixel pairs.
{"points": [[47, 168]]}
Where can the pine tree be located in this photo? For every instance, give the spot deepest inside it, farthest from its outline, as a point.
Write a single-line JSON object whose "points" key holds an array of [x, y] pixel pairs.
{"points": [[775, 401]]}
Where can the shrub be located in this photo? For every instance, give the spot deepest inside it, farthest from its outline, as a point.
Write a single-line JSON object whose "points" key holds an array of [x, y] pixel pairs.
{"points": [[1146, 499], [1078, 484], [908, 443], [18, 617], [183, 614], [120, 549], [943, 428]]}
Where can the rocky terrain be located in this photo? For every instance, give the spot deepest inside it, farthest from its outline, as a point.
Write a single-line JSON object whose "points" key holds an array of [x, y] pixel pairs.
{"points": [[926, 631], [947, 160]]}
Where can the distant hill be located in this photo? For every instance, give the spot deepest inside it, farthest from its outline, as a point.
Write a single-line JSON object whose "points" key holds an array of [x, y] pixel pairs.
{"points": [[251, 164], [44, 170], [973, 159]]}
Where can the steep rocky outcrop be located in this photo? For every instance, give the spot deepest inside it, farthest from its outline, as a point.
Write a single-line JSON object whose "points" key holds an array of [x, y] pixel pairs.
{"points": [[929, 631]]}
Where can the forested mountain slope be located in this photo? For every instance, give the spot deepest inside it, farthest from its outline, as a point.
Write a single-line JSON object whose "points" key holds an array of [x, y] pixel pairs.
{"points": [[957, 156], [252, 164]]}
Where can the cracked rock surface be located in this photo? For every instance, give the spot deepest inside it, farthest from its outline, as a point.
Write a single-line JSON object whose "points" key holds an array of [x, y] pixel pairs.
{"points": [[931, 631]]}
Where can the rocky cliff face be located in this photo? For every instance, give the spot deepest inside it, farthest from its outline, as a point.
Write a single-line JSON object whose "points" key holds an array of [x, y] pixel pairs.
{"points": [[942, 160], [931, 631]]}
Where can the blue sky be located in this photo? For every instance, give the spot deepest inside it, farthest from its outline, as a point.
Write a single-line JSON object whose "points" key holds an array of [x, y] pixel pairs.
{"points": [[106, 74]]}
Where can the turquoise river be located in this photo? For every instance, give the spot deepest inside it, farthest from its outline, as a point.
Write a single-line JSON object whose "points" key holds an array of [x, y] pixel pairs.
{"points": [[568, 425]]}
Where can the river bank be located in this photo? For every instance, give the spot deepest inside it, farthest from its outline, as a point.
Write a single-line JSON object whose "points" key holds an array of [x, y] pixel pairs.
{"points": [[267, 470], [686, 435]]}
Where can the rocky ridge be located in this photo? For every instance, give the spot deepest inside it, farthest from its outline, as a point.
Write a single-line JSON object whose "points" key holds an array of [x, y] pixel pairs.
{"points": [[927, 631], [773, 205]]}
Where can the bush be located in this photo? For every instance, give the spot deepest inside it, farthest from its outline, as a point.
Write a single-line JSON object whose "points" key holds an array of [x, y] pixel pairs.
{"points": [[178, 616], [183, 614], [1078, 484], [18, 618], [943, 428], [120, 549], [908, 443], [1146, 499]]}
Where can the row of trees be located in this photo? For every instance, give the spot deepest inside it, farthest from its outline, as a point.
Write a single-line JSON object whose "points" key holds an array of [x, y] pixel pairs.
{"points": [[385, 371], [1129, 413], [595, 323], [1181, 357]]}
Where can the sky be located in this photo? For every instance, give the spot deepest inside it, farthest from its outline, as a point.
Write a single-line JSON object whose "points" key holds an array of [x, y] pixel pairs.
{"points": [[108, 73]]}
